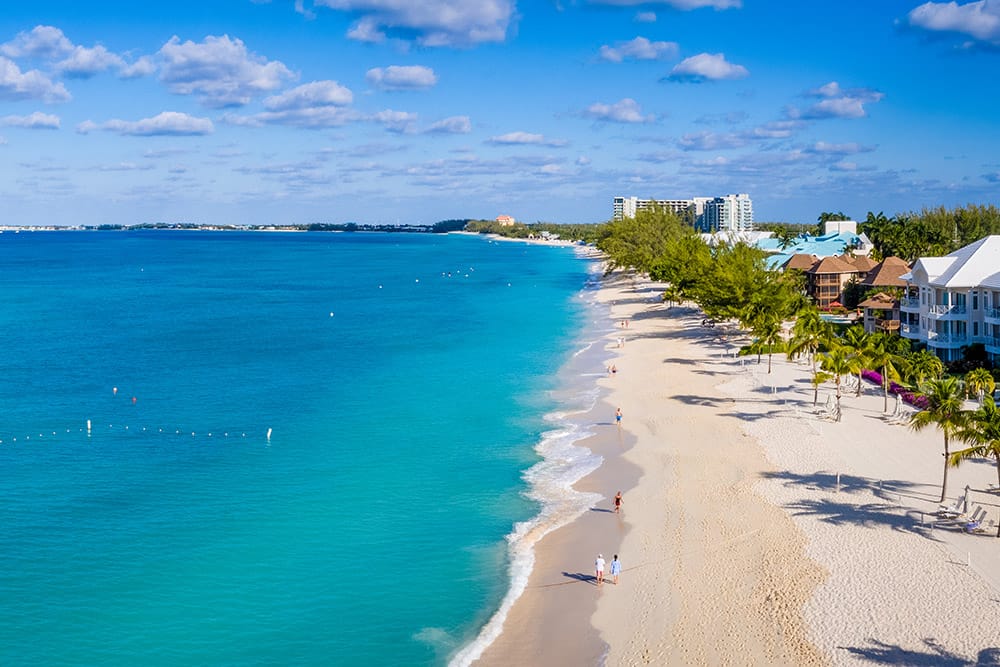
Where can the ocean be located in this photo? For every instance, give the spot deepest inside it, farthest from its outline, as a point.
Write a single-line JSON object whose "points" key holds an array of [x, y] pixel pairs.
{"points": [[237, 448]]}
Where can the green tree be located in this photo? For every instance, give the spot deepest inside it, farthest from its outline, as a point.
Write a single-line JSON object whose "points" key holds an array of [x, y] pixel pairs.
{"points": [[641, 241], [944, 410], [810, 334], [921, 366], [684, 261], [979, 382], [885, 355], [825, 217], [982, 433], [860, 342], [839, 361]]}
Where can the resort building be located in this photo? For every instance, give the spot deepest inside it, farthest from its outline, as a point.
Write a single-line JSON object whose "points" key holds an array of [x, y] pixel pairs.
{"points": [[627, 207], [840, 238], [881, 313], [954, 301], [887, 273], [827, 278], [505, 220], [732, 213], [881, 310]]}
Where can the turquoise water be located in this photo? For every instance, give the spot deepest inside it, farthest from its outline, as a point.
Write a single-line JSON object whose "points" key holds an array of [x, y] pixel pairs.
{"points": [[406, 380]]}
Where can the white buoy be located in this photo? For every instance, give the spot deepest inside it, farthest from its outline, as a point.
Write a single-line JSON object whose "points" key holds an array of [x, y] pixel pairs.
{"points": [[269, 435], [88, 426]]}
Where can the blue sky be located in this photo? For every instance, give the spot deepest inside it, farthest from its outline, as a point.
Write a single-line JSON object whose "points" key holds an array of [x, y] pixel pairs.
{"points": [[248, 111]]}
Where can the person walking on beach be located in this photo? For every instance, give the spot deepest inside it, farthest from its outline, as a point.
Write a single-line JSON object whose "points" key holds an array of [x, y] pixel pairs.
{"points": [[599, 566], [616, 569], [618, 502], [618, 417]]}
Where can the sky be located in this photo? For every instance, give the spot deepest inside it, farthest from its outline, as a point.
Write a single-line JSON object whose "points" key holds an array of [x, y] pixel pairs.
{"points": [[399, 111]]}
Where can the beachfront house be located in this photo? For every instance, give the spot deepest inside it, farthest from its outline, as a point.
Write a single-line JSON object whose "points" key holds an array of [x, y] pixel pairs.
{"points": [[827, 278], [954, 301], [881, 309]]}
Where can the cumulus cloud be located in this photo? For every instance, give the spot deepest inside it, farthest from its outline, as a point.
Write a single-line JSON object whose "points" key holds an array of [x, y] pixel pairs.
{"points": [[779, 129], [639, 48], [220, 70], [710, 141], [645, 17], [452, 125], [84, 62], [685, 5], [315, 94], [166, 123], [401, 77], [31, 85], [33, 121], [144, 66], [523, 138], [432, 22], [836, 102], [42, 42], [395, 121], [979, 20], [311, 118], [626, 110], [851, 148], [706, 67]]}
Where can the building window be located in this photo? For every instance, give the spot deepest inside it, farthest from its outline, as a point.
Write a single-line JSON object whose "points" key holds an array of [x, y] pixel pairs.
{"points": [[975, 301], [975, 325]]}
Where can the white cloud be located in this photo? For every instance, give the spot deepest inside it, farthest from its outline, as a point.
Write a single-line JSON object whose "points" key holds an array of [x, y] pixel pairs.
{"points": [[44, 42], [84, 63], [779, 129], [401, 77], [310, 118], [707, 67], [836, 102], [219, 70], [34, 121], [395, 121], [521, 138], [169, 123], [645, 17], [626, 110], [979, 20], [434, 22], [452, 125], [315, 94], [710, 141], [144, 66], [31, 85], [639, 48], [676, 4], [824, 148]]}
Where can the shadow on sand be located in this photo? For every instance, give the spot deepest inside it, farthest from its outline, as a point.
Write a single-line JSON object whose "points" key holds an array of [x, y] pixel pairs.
{"points": [[935, 655]]}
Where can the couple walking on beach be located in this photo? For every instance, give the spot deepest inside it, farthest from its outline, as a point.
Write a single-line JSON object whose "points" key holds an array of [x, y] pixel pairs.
{"points": [[616, 569]]}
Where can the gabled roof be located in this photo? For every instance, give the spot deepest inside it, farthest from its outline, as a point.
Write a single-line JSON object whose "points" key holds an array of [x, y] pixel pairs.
{"points": [[970, 266], [887, 273], [861, 263], [880, 301], [832, 265], [800, 261]]}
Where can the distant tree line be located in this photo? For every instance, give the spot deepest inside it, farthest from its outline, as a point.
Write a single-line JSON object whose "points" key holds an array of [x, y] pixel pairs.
{"points": [[932, 232]]}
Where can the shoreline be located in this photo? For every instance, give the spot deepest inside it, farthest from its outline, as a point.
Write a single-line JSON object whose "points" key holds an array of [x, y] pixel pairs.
{"points": [[737, 547]]}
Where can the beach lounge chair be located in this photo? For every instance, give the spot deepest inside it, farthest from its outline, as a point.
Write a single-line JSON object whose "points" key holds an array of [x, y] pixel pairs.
{"points": [[976, 522], [952, 511]]}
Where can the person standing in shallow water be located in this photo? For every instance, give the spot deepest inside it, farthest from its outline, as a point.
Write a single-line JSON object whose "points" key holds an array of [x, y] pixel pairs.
{"points": [[618, 502], [599, 567], [618, 416]]}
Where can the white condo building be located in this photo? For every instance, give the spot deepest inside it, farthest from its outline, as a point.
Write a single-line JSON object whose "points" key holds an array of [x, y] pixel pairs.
{"points": [[953, 301], [732, 213]]}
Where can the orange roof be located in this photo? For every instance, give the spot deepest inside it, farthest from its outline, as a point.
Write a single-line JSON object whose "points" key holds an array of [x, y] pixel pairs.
{"points": [[886, 273], [880, 301], [862, 263], [832, 265]]}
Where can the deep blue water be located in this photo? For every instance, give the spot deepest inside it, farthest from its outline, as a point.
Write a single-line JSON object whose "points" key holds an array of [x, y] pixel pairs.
{"points": [[405, 377]]}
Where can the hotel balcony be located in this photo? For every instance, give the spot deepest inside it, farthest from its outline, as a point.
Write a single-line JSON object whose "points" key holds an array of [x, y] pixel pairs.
{"points": [[992, 315], [992, 344], [888, 325], [910, 304], [935, 339], [943, 312], [911, 331]]}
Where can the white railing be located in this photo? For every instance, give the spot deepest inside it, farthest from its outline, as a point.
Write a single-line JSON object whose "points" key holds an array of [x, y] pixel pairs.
{"points": [[934, 338], [993, 313], [909, 329], [942, 309], [910, 303]]}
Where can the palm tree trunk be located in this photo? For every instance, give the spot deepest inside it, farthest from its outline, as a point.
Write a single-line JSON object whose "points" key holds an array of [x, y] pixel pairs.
{"points": [[769, 361], [815, 384], [860, 371], [944, 480], [885, 390]]}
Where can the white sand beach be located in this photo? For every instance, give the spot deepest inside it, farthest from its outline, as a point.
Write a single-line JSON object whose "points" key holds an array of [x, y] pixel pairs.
{"points": [[738, 544]]}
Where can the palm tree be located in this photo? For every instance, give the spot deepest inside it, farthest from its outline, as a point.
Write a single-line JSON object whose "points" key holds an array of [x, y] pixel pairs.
{"points": [[944, 409], [982, 432], [839, 361], [768, 332], [860, 341], [810, 334], [979, 381], [883, 356], [923, 365]]}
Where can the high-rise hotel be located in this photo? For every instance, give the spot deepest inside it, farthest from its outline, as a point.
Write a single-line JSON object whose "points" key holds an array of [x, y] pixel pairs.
{"points": [[732, 213]]}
